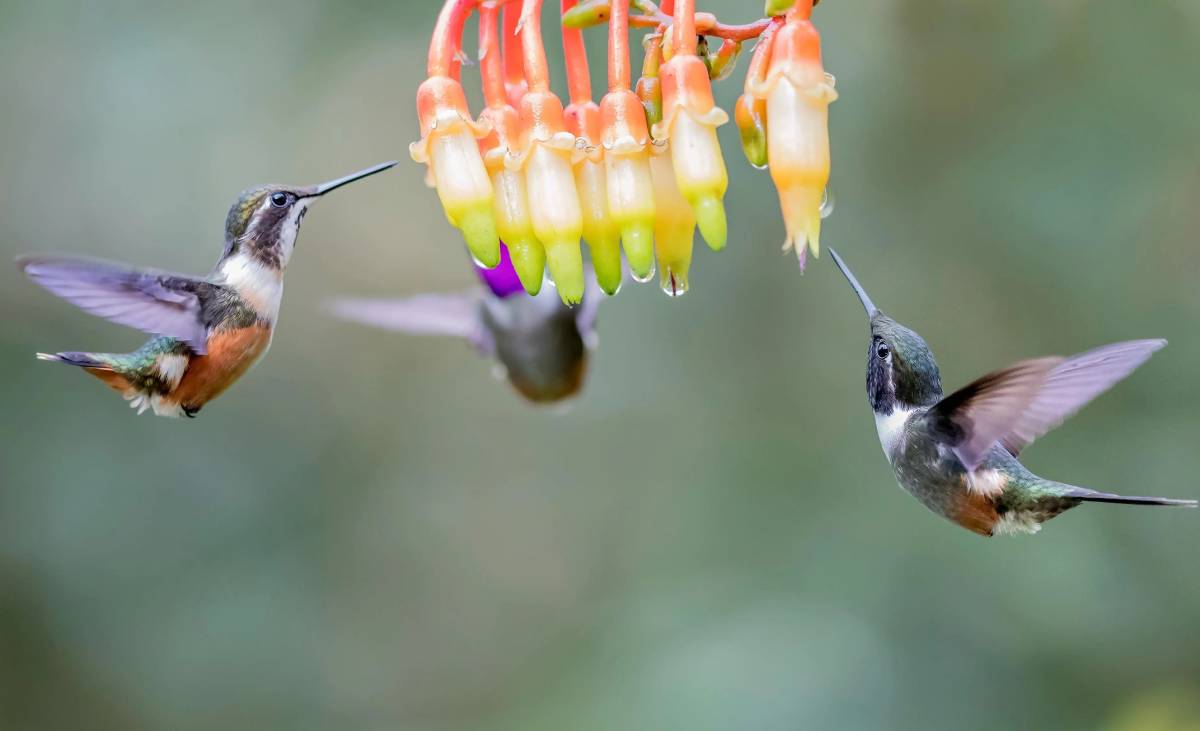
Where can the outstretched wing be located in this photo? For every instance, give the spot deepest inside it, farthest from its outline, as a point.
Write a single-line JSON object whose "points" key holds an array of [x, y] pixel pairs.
{"points": [[1017, 405], [453, 315], [156, 302]]}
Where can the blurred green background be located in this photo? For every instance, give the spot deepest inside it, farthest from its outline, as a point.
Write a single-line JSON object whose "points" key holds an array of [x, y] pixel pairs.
{"points": [[370, 532]]}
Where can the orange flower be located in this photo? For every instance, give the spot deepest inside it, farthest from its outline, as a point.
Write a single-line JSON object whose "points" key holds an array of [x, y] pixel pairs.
{"points": [[547, 153], [626, 141], [511, 202], [690, 121], [448, 140], [600, 231], [798, 93]]}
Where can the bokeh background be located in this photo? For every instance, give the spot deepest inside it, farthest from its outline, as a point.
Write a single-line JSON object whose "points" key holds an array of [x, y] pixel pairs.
{"points": [[370, 532]]}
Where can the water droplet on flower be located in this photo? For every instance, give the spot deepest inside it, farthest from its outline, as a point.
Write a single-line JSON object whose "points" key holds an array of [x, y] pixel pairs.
{"points": [[643, 280], [827, 203], [672, 286], [829, 79]]}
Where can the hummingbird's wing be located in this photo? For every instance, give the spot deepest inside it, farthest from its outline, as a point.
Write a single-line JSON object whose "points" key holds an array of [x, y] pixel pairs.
{"points": [[1017, 405], [156, 302], [451, 314]]}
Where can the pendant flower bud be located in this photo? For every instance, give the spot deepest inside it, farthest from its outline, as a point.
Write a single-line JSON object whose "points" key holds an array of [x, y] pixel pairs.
{"points": [[722, 61], [690, 121], [750, 115], [449, 146], [625, 138], [798, 93], [673, 228], [649, 86], [582, 115], [750, 112], [548, 151], [510, 206], [448, 143]]}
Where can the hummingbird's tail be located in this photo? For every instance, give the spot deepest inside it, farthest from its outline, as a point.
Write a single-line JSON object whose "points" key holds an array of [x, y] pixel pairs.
{"points": [[1091, 496], [100, 365], [83, 360]]}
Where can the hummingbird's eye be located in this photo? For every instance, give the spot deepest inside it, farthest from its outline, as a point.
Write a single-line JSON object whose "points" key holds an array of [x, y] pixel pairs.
{"points": [[882, 351], [279, 200]]}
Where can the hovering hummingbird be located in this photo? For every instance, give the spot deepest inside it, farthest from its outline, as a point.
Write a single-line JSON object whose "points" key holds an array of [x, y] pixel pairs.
{"points": [[210, 329], [958, 454], [541, 344]]}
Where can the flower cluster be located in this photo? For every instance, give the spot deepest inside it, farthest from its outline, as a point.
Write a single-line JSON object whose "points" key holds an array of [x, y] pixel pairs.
{"points": [[637, 173]]}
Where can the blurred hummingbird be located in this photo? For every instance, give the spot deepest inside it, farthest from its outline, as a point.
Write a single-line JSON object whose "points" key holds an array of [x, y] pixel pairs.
{"points": [[958, 454], [210, 329], [541, 344]]}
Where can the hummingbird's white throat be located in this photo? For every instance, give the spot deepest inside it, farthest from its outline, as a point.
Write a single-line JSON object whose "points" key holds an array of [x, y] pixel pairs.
{"points": [[890, 427]]}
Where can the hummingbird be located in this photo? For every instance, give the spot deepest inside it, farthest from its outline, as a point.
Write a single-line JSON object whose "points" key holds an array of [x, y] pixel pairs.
{"points": [[540, 344], [208, 330], [957, 454]]}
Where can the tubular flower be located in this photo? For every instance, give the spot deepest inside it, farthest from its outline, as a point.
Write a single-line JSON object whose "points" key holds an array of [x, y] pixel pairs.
{"points": [[626, 141], [798, 93], [448, 143], [600, 231], [690, 121], [750, 112], [548, 151], [673, 228], [511, 202]]}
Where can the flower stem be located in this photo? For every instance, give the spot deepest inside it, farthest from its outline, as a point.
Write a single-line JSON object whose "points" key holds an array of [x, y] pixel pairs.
{"points": [[489, 56], [579, 83], [683, 31], [618, 46], [533, 54], [447, 37]]}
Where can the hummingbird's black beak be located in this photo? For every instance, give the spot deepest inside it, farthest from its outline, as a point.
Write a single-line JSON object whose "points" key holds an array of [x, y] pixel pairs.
{"points": [[867, 304], [324, 188]]}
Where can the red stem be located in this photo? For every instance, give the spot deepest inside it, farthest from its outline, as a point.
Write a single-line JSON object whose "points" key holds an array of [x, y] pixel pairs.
{"points": [[579, 82], [683, 31], [490, 61], [533, 54], [618, 46], [447, 37], [514, 72]]}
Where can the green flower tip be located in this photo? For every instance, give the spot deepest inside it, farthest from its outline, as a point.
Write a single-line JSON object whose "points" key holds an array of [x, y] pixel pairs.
{"points": [[529, 259], [606, 261], [638, 241], [479, 229], [710, 219], [565, 262]]}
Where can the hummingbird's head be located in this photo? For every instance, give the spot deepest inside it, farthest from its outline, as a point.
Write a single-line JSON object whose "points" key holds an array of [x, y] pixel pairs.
{"points": [[264, 221], [901, 370]]}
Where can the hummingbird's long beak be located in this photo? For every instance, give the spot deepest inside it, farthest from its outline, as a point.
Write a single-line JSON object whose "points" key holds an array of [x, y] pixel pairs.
{"points": [[324, 188], [867, 304]]}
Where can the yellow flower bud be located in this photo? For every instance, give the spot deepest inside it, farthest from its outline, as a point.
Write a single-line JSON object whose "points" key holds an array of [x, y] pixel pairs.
{"points": [[515, 226], [673, 228], [600, 231], [450, 148], [557, 218]]}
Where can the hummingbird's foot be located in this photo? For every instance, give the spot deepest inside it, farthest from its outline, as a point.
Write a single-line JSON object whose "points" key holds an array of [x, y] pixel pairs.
{"points": [[190, 411]]}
